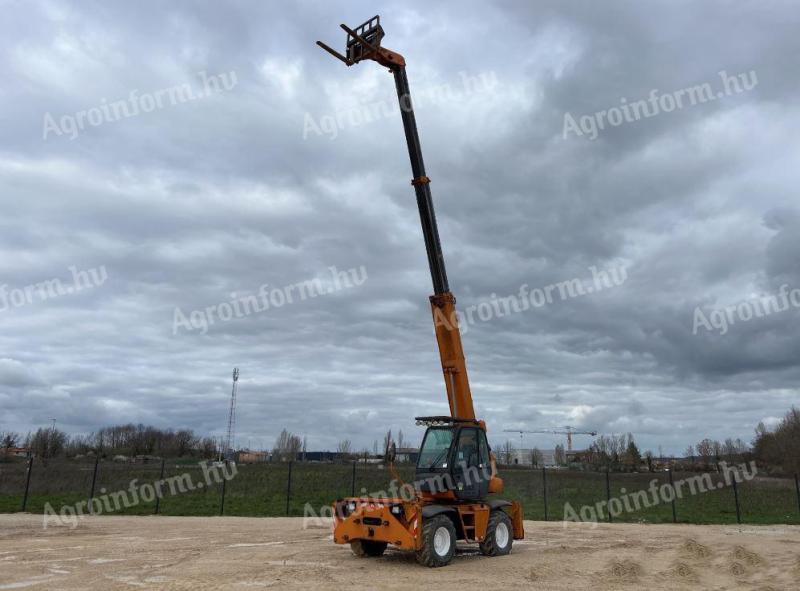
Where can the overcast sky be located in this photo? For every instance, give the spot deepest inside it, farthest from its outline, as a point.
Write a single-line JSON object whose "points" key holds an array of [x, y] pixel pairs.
{"points": [[285, 163]]}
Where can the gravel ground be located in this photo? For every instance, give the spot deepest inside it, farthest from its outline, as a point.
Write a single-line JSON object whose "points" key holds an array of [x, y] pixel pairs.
{"points": [[111, 553]]}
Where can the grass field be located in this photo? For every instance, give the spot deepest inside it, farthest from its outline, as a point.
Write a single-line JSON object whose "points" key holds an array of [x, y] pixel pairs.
{"points": [[261, 490]]}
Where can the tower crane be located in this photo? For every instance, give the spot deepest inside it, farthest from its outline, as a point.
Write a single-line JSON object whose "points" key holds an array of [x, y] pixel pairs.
{"points": [[456, 473], [568, 431]]}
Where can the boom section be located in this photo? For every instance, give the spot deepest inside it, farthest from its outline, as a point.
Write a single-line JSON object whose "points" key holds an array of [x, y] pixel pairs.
{"points": [[364, 43]]}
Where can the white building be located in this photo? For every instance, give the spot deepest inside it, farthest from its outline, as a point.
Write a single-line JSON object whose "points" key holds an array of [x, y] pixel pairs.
{"points": [[524, 457]]}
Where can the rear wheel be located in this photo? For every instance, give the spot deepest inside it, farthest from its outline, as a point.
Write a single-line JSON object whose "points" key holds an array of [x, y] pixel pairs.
{"points": [[438, 542], [362, 548], [499, 535]]}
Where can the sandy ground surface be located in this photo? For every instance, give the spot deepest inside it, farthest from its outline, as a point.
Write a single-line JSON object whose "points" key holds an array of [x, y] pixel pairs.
{"points": [[254, 553]]}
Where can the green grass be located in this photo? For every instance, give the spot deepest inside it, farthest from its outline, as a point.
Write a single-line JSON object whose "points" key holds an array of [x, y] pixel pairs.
{"points": [[261, 490], [761, 501]]}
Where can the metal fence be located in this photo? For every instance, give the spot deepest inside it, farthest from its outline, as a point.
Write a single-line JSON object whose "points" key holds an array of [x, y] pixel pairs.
{"points": [[298, 489]]}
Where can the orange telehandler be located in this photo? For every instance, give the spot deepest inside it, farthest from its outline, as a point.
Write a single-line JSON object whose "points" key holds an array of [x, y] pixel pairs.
{"points": [[453, 496]]}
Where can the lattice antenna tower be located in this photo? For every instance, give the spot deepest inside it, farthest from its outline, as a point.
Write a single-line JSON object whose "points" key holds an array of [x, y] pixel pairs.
{"points": [[229, 439]]}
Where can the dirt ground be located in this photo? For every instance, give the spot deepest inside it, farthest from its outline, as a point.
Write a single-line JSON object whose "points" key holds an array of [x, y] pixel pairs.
{"points": [[253, 553]]}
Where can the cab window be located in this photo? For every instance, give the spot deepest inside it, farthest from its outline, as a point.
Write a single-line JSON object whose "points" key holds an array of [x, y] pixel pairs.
{"points": [[433, 454], [468, 448], [484, 452]]}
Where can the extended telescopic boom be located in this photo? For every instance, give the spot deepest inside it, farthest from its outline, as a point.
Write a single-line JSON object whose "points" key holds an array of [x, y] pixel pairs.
{"points": [[365, 43]]}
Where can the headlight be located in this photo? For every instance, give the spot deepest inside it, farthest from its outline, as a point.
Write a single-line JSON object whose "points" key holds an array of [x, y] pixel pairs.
{"points": [[344, 509]]}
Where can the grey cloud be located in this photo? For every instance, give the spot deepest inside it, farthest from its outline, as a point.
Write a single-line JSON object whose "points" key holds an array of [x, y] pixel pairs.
{"points": [[193, 202]]}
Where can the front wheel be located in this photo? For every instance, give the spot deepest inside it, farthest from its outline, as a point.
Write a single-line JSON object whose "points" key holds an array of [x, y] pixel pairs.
{"points": [[438, 542], [499, 535], [362, 548]]}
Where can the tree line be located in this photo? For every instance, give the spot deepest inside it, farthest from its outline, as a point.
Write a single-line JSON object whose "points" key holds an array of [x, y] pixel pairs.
{"points": [[779, 449], [775, 450], [118, 440]]}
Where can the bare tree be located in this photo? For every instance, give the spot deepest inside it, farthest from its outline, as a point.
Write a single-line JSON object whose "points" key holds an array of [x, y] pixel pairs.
{"points": [[8, 440], [507, 453], [185, 441], [632, 456], [536, 457], [48, 443], [344, 448], [741, 446], [387, 442], [208, 447], [287, 446], [705, 450], [779, 448], [648, 456], [560, 456], [716, 448]]}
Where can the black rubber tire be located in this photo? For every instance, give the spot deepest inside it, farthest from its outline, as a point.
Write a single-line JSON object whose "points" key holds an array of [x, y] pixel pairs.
{"points": [[489, 545], [427, 555], [363, 548]]}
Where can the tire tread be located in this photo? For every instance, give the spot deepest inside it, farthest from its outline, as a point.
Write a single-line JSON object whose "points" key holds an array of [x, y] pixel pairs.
{"points": [[488, 545], [426, 555]]}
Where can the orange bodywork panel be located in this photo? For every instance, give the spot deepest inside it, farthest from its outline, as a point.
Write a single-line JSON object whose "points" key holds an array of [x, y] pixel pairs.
{"points": [[454, 367], [373, 520], [474, 519], [516, 520]]}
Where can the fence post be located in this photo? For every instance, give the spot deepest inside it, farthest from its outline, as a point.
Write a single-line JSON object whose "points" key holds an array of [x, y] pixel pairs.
{"points": [[94, 481], [674, 494], [27, 483], [222, 501], [608, 493], [736, 499], [288, 488], [797, 488], [158, 488], [544, 489], [353, 481]]}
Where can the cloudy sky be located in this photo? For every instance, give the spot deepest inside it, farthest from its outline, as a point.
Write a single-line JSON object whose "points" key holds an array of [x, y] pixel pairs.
{"points": [[284, 163]]}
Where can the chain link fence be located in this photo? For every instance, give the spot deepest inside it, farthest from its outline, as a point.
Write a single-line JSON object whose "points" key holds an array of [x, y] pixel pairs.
{"points": [[303, 489]]}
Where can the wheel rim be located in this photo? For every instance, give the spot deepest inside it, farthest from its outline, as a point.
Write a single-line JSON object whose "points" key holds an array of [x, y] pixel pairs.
{"points": [[501, 535], [441, 541]]}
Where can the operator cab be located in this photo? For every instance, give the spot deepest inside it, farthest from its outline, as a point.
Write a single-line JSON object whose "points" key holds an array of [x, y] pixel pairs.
{"points": [[455, 456]]}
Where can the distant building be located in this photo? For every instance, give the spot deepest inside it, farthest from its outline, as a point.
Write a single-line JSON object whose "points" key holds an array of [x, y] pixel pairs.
{"points": [[407, 455], [253, 457], [322, 456], [143, 459], [19, 452], [524, 457]]}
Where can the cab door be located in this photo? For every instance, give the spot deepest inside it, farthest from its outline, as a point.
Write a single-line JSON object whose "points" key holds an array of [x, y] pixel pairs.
{"points": [[469, 476], [485, 464]]}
